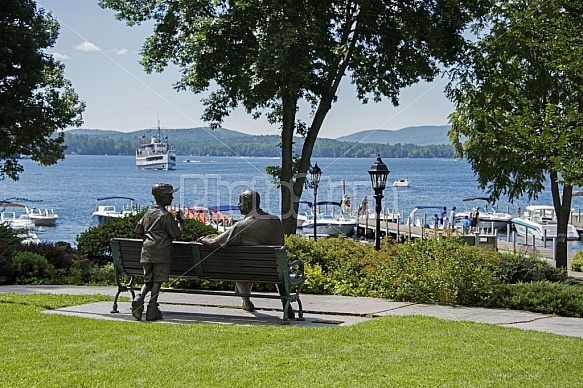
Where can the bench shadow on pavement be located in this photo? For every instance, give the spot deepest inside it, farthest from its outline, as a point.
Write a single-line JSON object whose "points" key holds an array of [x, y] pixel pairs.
{"points": [[190, 314]]}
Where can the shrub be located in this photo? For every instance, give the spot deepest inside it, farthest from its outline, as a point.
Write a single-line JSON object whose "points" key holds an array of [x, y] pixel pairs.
{"points": [[436, 271], [577, 263], [102, 276], [94, 243], [543, 297], [515, 268], [316, 281], [421, 271], [60, 254], [31, 268], [6, 252], [8, 235]]}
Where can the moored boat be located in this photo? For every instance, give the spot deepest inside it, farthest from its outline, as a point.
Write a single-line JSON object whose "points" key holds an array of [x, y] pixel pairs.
{"points": [[102, 212], [330, 224], [488, 217], [541, 221], [14, 215], [39, 217], [402, 182]]}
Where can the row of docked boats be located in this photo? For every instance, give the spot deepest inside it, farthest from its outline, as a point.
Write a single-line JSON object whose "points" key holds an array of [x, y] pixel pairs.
{"points": [[538, 221], [23, 219]]}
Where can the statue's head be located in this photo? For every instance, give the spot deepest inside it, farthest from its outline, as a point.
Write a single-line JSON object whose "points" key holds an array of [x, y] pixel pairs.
{"points": [[162, 193], [249, 201]]}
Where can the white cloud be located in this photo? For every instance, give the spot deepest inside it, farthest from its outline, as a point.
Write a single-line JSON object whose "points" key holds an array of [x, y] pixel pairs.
{"points": [[87, 46], [60, 57], [121, 51]]}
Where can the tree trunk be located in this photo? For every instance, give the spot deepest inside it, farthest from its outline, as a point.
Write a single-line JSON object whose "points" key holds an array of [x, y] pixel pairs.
{"points": [[289, 201], [563, 211]]}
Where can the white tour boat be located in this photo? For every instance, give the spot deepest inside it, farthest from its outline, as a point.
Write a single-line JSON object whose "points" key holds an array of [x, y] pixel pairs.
{"points": [[541, 221], [156, 155]]}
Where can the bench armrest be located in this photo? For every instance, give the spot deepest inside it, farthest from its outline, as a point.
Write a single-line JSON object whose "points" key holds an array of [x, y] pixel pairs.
{"points": [[296, 272]]}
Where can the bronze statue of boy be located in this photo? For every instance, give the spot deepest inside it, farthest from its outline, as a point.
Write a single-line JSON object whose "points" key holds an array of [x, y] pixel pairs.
{"points": [[157, 229]]}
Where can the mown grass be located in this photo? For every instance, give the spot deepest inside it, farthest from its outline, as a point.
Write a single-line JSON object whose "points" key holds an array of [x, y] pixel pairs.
{"points": [[47, 350]]}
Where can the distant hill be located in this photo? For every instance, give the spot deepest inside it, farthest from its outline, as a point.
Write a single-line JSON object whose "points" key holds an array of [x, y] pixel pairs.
{"points": [[225, 142], [200, 135], [427, 135]]}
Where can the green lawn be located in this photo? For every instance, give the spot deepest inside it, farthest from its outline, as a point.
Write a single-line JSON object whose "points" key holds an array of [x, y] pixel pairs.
{"points": [[47, 350]]}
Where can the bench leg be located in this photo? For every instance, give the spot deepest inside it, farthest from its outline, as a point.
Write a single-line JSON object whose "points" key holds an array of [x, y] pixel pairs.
{"points": [[114, 309], [286, 306], [120, 289], [300, 311]]}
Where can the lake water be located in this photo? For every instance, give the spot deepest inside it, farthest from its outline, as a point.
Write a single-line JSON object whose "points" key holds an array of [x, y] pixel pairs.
{"points": [[72, 186]]}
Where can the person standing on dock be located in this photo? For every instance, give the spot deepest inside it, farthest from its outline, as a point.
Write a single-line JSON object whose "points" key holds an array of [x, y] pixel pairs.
{"points": [[442, 214], [445, 225], [474, 218], [452, 218], [363, 208], [466, 225]]}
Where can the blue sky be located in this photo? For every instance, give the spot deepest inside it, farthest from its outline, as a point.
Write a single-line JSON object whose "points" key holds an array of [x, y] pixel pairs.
{"points": [[101, 56]]}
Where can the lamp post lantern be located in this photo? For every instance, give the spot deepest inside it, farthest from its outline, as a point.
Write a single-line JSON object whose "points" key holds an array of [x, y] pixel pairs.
{"points": [[378, 177], [316, 174]]}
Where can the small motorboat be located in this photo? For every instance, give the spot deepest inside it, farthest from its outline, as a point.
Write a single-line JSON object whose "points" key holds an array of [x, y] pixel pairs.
{"points": [[489, 217], [15, 215], [541, 221], [332, 225], [406, 182], [39, 217], [102, 213]]}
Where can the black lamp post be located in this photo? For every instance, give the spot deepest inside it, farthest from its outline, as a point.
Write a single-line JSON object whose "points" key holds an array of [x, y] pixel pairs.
{"points": [[316, 174], [378, 177]]}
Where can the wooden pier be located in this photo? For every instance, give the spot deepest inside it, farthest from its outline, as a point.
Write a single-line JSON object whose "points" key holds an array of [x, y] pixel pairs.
{"points": [[401, 232]]}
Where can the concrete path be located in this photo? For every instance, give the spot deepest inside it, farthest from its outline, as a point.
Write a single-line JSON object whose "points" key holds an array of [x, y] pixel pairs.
{"points": [[319, 310]]}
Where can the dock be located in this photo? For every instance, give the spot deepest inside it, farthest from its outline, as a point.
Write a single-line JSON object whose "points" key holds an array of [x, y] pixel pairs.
{"points": [[390, 226]]}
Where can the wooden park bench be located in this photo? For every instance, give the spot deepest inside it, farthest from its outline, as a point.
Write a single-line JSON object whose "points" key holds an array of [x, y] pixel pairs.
{"points": [[190, 260]]}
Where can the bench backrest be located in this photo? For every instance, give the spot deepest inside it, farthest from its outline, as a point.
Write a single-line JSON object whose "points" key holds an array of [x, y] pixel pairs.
{"points": [[257, 263]]}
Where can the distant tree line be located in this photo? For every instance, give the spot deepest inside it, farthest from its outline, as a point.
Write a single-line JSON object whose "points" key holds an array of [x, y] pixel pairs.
{"points": [[262, 146]]}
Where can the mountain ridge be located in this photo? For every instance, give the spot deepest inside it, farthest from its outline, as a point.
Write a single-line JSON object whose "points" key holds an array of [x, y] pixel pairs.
{"points": [[417, 135]]}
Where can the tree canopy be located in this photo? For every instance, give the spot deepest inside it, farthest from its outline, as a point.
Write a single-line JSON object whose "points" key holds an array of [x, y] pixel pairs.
{"points": [[519, 103], [36, 101], [267, 56]]}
